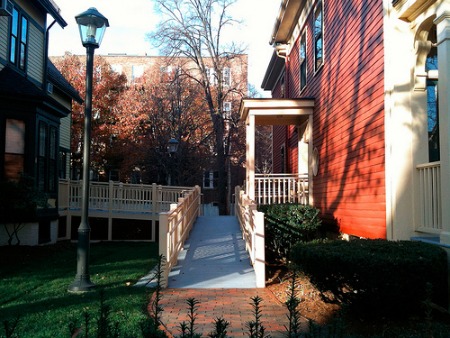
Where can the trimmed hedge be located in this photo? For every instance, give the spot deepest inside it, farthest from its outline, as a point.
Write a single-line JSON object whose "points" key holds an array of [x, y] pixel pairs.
{"points": [[376, 277], [287, 224]]}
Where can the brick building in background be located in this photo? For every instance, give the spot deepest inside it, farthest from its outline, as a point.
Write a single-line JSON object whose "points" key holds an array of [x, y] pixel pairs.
{"points": [[135, 67]]}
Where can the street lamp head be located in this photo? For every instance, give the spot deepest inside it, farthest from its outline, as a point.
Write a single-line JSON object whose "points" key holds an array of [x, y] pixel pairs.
{"points": [[92, 26], [172, 146]]}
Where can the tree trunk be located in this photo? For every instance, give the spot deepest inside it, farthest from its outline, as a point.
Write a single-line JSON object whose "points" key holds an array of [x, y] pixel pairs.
{"points": [[221, 165]]}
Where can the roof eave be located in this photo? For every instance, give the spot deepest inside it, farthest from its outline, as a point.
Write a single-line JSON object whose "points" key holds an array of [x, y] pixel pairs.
{"points": [[273, 71], [51, 8], [286, 20]]}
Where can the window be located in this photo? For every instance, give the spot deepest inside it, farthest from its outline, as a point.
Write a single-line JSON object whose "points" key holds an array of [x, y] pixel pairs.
{"points": [[431, 67], [226, 76], [98, 73], [166, 69], [52, 159], [42, 144], [210, 179], [211, 75], [318, 36], [47, 158], [227, 110], [18, 40], [117, 68], [283, 159], [14, 148], [302, 61], [96, 114], [63, 157]]}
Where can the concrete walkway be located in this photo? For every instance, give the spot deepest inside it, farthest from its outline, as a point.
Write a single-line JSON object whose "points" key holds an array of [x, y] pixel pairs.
{"points": [[214, 268], [214, 256]]}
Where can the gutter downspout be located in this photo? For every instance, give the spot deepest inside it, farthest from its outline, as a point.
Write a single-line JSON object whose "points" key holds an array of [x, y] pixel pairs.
{"points": [[47, 31]]}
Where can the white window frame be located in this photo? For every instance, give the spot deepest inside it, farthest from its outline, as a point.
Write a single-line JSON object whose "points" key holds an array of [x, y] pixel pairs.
{"points": [[303, 60], [318, 65], [117, 68], [137, 71], [227, 110], [18, 39], [210, 179], [226, 75], [211, 75]]}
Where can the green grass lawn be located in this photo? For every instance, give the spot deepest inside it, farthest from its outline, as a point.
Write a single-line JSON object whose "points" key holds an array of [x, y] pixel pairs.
{"points": [[34, 282]]}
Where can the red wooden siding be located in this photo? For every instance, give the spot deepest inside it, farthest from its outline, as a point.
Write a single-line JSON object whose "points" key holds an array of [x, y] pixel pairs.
{"points": [[348, 117], [279, 137], [293, 149]]}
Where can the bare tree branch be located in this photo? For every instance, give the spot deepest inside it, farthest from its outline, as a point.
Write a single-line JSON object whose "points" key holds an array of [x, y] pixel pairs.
{"points": [[196, 29]]}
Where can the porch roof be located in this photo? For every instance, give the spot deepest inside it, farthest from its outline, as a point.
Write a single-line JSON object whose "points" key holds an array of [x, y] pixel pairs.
{"points": [[269, 111]]}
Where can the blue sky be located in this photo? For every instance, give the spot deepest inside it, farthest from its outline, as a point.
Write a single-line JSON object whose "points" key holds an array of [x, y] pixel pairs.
{"points": [[131, 20]]}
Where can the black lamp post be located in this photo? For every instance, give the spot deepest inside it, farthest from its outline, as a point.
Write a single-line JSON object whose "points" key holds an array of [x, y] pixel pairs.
{"points": [[92, 27], [172, 147]]}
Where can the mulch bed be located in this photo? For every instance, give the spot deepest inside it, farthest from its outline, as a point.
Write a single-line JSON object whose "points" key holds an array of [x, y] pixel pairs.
{"points": [[314, 308]]}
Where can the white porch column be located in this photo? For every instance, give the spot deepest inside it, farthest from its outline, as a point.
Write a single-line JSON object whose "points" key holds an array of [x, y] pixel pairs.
{"points": [[310, 161], [250, 157], [442, 22], [303, 146]]}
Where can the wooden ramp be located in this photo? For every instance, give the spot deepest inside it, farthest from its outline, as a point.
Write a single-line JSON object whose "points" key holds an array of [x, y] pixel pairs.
{"points": [[214, 256]]}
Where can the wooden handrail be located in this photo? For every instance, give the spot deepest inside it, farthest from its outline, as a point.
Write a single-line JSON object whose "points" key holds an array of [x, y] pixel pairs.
{"points": [[119, 200], [251, 222], [175, 226], [120, 197]]}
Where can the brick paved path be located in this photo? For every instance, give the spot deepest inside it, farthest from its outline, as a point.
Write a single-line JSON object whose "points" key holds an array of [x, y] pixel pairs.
{"points": [[215, 269], [234, 305]]}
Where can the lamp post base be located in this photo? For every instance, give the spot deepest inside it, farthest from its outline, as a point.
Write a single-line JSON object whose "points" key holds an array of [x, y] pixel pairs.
{"points": [[82, 281], [81, 284]]}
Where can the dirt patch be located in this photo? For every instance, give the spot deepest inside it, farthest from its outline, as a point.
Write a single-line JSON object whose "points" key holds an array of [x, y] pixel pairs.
{"points": [[311, 305]]}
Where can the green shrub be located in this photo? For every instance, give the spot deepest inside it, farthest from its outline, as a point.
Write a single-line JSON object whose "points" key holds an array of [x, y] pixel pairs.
{"points": [[20, 202], [287, 224], [375, 277]]}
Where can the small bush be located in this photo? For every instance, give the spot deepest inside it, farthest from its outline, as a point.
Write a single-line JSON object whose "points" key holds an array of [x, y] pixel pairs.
{"points": [[375, 277], [287, 224], [20, 202]]}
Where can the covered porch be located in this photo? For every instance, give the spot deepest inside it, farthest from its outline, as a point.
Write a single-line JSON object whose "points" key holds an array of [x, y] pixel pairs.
{"points": [[282, 187], [297, 186]]}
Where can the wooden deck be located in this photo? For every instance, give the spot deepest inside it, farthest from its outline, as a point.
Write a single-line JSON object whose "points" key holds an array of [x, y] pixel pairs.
{"points": [[110, 203]]}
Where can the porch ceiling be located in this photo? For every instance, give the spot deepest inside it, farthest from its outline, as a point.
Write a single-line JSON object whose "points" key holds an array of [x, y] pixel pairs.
{"points": [[277, 112]]}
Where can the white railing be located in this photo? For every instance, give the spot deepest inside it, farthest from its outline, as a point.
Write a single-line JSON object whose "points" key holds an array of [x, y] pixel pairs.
{"points": [[281, 188], [251, 222], [119, 197], [430, 197], [114, 200], [175, 226]]}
